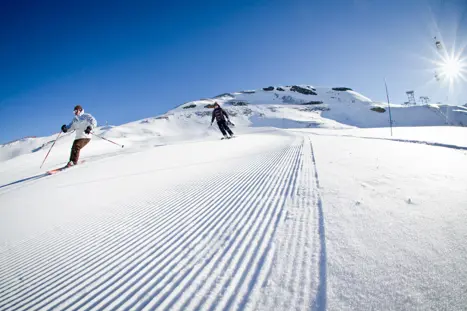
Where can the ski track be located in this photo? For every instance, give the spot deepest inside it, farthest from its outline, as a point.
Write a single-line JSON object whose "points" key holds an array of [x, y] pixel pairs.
{"points": [[298, 280], [251, 238], [320, 303], [411, 141]]}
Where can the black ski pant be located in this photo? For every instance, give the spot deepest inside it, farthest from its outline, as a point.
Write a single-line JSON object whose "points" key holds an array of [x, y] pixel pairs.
{"points": [[224, 128]]}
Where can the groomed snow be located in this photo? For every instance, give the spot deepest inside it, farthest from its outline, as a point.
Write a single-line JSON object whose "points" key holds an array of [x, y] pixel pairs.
{"points": [[319, 219], [315, 205]]}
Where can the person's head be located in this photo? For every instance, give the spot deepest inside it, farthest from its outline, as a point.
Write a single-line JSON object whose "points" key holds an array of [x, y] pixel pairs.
{"points": [[78, 110], [216, 105]]}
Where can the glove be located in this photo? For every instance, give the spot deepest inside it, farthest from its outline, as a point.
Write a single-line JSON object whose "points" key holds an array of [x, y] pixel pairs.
{"points": [[88, 130], [211, 124], [64, 129]]}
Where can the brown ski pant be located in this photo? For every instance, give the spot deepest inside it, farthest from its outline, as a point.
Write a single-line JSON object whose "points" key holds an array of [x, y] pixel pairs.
{"points": [[78, 144]]}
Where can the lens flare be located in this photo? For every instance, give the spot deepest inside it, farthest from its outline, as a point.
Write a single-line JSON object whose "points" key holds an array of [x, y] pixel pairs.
{"points": [[451, 68]]}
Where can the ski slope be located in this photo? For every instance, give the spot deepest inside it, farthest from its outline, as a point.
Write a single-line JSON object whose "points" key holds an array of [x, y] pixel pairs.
{"points": [[287, 107], [300, 219]]}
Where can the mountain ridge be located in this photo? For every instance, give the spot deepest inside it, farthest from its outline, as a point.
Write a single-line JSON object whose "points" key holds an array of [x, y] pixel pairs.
{"points": [[291, 106]]}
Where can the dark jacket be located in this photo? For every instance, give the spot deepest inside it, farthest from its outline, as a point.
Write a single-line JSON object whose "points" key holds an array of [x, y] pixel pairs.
{"points": [[218, 114]]}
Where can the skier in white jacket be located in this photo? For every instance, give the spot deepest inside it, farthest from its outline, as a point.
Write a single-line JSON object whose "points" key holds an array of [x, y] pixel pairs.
{"points": [[83, 124]]}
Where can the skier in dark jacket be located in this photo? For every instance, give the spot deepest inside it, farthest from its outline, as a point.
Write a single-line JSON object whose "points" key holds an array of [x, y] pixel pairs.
{"points": [[219, 114]]}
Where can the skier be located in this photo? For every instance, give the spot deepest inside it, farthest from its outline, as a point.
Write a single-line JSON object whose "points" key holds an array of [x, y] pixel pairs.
{"points": [[219, 114], [82, 123]]}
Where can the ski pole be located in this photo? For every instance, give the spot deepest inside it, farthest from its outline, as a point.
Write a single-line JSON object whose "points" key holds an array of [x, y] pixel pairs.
{"points": [[108, 140], [51, 149]]}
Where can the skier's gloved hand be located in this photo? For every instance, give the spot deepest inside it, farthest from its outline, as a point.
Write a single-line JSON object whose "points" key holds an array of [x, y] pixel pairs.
{"points": [[64, 129], [88, 130]]}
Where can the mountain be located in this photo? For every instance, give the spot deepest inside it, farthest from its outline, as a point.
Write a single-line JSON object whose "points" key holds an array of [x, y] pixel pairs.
{"points": [[306, 209], [300, 106], [294, 106]]}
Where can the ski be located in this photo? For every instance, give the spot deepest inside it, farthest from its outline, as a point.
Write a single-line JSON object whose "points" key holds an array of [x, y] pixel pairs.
{"points": [[60, 169]]}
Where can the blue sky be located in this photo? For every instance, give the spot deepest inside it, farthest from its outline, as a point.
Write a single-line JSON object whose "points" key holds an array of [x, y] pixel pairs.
{"points": [[127, 60]]}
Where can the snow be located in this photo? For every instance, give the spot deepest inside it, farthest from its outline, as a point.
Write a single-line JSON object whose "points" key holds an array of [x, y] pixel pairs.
{"points": [[283, 109], [297, 212], [446, 136], [395, 219]]}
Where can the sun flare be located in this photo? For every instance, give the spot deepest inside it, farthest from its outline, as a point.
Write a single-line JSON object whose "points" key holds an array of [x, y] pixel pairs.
{"points": [[451, 68], [450, 64]]}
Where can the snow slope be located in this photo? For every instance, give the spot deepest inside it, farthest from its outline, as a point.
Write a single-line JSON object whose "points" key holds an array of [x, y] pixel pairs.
{"points": [[318, 219], [298, 106], [308, 208], [307, 106]]}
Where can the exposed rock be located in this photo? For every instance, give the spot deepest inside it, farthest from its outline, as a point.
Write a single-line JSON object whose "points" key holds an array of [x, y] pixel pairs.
{"points": [[270, 88], [189, 106], [224, 95], [244, 111], [280, 89], [314, 108], [303, 90], [378, 109], [162, 117], [313, 102], [237, 103], [287, 99], [342, 89], [203, 113], [210, 106]]}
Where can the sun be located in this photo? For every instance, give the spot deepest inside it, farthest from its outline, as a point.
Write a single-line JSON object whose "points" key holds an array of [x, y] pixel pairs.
{"points": [[450, 65], [451, 68]]}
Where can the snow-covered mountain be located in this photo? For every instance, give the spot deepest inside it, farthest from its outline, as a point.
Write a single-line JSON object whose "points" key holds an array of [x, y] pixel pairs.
{"points": [[301, 211], [304, 106], [296, 106]]}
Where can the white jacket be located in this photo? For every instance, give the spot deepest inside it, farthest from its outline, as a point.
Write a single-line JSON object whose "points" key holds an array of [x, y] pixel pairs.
{"points": [[80, 123]]}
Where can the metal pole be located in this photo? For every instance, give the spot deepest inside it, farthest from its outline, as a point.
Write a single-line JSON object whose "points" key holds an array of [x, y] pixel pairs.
{"points": [[389, 105], [51, 149], [108, 140]]}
